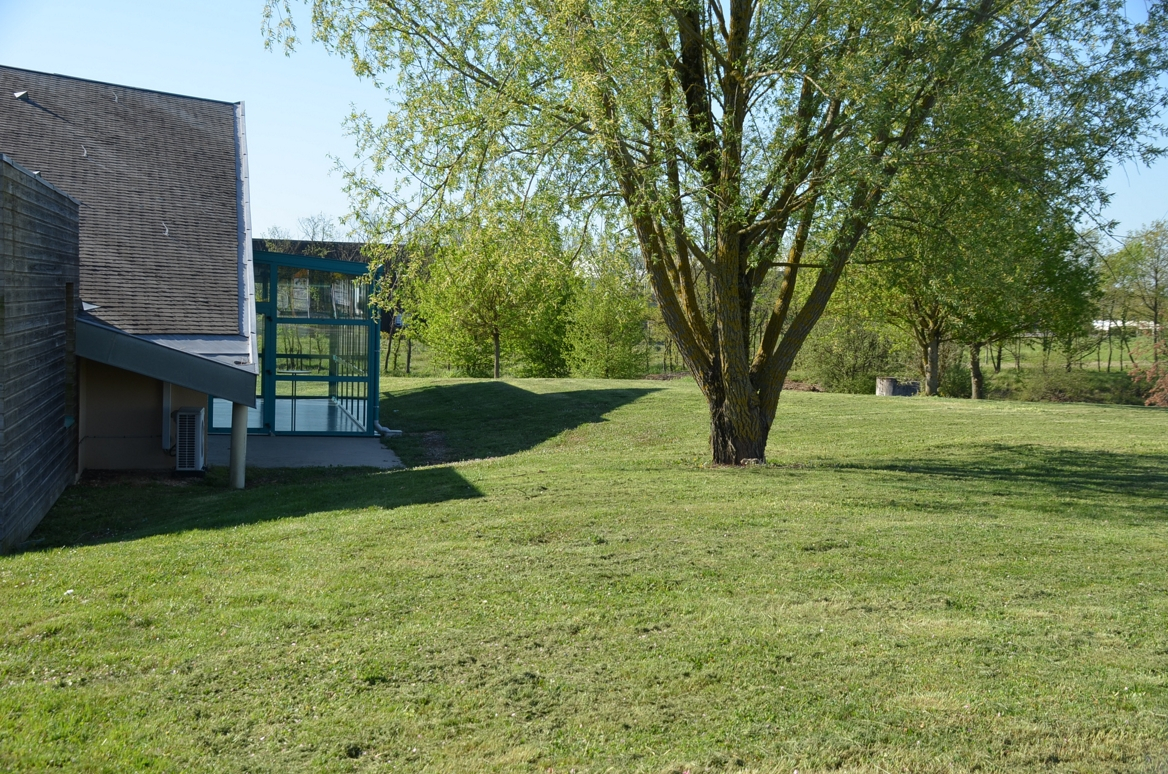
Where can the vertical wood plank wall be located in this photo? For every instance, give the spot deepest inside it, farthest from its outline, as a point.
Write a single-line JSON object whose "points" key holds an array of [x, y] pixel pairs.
{"points": [[38, 374]]}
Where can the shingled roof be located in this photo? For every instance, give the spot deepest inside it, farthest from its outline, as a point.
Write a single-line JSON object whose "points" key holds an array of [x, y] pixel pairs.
{"points": [[161, 182]]}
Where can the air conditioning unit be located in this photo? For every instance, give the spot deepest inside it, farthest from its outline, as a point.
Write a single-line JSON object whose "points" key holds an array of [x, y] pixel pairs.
{"points": [[189, 453]]}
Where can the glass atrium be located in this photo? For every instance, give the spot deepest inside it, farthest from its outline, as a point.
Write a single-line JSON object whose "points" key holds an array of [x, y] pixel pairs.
{"points": [[318, 344]]}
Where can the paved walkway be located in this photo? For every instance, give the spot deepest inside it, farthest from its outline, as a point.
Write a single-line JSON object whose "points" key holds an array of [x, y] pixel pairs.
{"points": [[290, 451]]}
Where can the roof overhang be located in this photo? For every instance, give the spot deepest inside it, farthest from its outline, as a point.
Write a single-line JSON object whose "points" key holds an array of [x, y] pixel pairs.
{"points": [[166, 362]]}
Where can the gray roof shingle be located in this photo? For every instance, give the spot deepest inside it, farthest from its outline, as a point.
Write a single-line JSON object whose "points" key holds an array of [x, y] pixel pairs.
{"points": [[157, 175]]}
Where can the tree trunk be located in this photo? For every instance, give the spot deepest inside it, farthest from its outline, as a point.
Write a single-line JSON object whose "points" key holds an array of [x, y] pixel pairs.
{"points": [[731, 445], [409, 351], [997, 358], [932, 362], [1156, 326], [977, 381], [495, 341]]}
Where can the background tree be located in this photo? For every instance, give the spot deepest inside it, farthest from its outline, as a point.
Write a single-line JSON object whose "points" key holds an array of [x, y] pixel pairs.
{"points": [[318, 228], [607, 333], [1149, 276], [491, 285], [278, 239], [1118, 301], [973, 257], [736, 135]]}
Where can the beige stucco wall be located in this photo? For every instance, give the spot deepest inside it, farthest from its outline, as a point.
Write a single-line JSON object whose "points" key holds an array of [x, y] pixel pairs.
{"points": [[120, 422]]}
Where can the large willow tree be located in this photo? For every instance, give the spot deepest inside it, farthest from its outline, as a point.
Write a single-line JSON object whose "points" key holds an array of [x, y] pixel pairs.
{"points": [[735, 137]]}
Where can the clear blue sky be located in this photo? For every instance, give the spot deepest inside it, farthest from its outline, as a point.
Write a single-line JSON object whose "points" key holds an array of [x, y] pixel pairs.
{"points": [[295, 106]]}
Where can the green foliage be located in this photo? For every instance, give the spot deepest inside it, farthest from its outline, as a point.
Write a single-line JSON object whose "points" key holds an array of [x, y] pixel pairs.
{"points": [[608, 331], [955, 381], [1075, 386], [1137, 285], [974, 258], [494, 287], [542, 352], [735, 140], [541, 349], [844, 355]]}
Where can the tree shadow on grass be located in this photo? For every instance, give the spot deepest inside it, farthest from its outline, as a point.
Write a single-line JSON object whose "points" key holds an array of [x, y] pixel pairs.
{"points": [[473, 420], [116, 507], [1140, 479]]}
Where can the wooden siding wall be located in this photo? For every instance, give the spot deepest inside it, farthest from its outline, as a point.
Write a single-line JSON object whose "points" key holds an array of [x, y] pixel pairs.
{"points": [[38, 374]]}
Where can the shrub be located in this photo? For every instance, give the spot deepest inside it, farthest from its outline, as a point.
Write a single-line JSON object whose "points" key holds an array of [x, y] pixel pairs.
{"points": [[1154, 379], [1076, 386], [846, 356], [542, 350], [956, 382]]}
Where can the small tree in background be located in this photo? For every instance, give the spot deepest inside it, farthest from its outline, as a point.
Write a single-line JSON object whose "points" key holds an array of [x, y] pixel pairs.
{"points": [[1149, 276], [542, 349], [1119, 303], [493, 287], [975, 257], [607, 331]]}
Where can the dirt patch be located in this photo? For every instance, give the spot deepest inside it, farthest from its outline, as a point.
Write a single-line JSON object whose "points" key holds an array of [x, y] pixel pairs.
{"points": [[434, 448], [801, 386]]}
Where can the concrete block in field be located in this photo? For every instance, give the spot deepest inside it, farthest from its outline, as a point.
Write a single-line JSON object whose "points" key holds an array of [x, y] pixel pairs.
{"points": [[891, 386]]}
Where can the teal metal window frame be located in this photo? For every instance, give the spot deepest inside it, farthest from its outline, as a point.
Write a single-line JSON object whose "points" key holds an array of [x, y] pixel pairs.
{"points": [[268, 376]]}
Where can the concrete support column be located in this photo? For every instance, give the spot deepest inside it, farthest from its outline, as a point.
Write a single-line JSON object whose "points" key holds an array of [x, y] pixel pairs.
{"points": [[238, 465]]}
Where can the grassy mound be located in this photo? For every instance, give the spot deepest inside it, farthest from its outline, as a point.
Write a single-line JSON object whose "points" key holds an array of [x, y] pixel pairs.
{"points": [[909, 585]]}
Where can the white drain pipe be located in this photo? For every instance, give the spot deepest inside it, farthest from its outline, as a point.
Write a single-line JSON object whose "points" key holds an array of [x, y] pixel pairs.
{"points": [[385, 432]]}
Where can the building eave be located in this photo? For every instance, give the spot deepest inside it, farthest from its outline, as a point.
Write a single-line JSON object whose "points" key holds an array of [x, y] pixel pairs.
{"points": [[111, 346]]}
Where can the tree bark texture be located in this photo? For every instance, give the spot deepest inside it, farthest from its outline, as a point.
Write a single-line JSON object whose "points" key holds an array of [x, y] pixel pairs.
{"points": [[495, 341], [977, 380], [932, 362]]}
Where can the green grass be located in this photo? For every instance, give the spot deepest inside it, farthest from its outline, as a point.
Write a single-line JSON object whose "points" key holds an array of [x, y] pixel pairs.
{"points": [[910, 585]]}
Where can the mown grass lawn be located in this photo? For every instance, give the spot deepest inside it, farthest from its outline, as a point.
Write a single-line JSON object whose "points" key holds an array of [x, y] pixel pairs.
{"points": [[909, 585]]}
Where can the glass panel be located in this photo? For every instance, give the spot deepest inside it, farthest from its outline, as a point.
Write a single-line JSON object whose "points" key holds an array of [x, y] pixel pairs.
{"points": [[322, 350], [262, 273], [321, 407], [329, 295]]}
